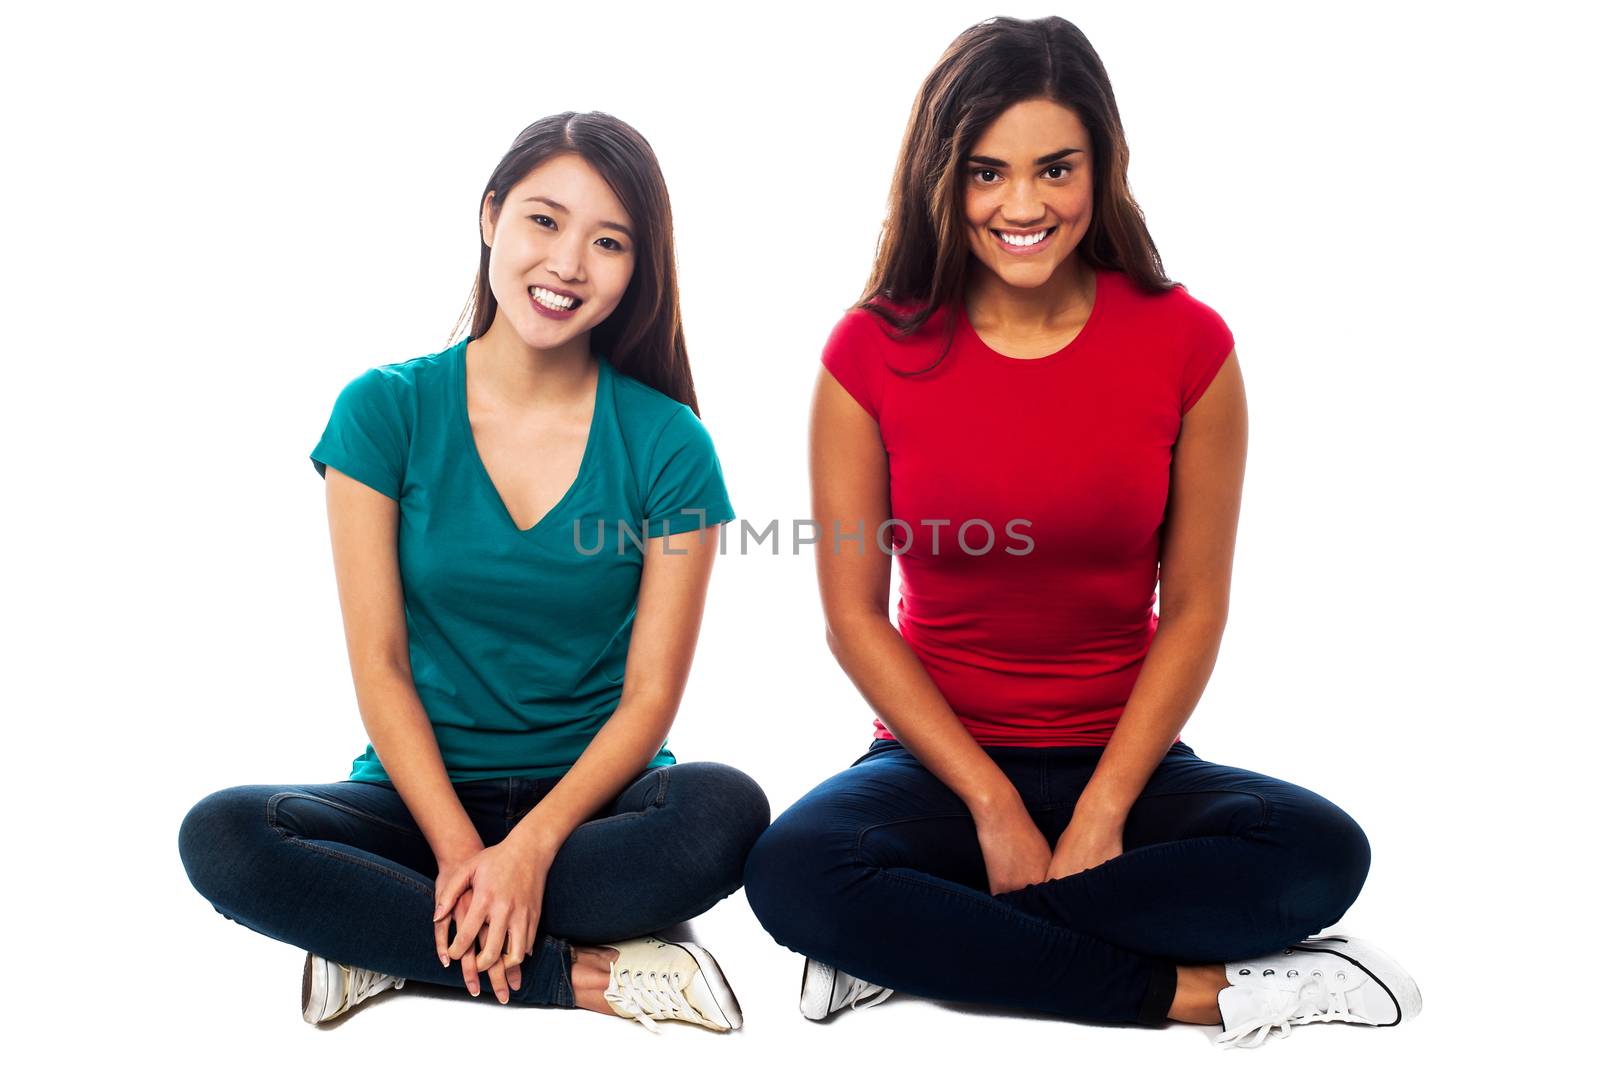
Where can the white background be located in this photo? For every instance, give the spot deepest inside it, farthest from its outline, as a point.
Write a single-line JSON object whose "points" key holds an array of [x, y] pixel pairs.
{"points": [[217, 215]]}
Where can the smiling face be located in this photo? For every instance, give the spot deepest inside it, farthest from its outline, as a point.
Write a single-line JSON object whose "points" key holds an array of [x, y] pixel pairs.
{"points": [[1029, 191], [561, 252]]}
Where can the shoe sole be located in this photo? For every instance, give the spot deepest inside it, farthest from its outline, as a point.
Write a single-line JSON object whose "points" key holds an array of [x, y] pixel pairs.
{"points": [[727, 1001], [1402, 990], [813, 993], [313, 992]]}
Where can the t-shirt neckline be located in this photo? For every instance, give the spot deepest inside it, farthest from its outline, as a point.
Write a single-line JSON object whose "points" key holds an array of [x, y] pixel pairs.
{"points": [[1096, 312], [591, 445]]}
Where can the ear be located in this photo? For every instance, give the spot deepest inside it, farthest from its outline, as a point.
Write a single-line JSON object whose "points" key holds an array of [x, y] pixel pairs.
{"points": [[486, 219]]}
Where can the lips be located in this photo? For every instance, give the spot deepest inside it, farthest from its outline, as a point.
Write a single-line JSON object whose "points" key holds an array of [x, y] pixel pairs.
{"points": [[1024, 249], [553, 302]]}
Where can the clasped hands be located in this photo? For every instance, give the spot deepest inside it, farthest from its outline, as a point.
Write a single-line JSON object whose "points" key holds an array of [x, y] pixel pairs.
{"points": [[494, 896], [1016, 854]]}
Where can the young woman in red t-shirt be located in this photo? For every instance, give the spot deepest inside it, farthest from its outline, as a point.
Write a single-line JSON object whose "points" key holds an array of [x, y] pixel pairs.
{"points": [[1039, 425]]}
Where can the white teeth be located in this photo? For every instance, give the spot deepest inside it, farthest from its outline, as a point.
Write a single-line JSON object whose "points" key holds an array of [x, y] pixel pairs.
{"points": [[550, 299], [1023, 242]]}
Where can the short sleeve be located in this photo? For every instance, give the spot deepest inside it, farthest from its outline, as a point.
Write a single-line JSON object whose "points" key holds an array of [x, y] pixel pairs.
{"points": [[684, 487], [1209, 342], [853, 355], [366, 437]]}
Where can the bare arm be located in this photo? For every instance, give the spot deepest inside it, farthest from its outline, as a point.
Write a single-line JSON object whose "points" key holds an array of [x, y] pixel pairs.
{"points": [[850, 496], [1196, 571], [363, 524]]}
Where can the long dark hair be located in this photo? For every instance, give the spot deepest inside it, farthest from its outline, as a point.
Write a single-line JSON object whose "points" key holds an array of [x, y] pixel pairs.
{"points": [[643, 336], [922, 251]]}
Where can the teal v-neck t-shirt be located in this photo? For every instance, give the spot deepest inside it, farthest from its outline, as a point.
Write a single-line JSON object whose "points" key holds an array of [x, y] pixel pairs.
{"points": [[519, 637]]}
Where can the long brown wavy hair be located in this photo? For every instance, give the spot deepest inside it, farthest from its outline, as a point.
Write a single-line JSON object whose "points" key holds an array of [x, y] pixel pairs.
{"points": [[643, 336], [922, 255]]}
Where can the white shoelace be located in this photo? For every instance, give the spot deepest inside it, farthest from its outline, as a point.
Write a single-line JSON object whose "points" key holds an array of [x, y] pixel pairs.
{"points": [[1316, 1001], [361, 983], [650, 996], [859, 993]]}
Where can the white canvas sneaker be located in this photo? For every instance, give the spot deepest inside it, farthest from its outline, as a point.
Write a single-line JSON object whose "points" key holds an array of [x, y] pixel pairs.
{"points": [[824, 989], [655, 980], [1324, 978], [328, 988]]}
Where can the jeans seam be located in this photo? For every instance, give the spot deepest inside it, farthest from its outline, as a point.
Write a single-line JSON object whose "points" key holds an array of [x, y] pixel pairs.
{"points": [[276, 797], [311, 845]]}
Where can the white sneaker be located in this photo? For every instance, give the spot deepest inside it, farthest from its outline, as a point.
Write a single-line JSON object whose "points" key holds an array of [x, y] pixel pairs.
{"points": [[328, 988], [1324, 978], [653, 980], [824, 989]]}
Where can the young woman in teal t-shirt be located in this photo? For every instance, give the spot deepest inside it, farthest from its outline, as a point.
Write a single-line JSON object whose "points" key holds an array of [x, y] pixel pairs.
{"points": [[521, 530]]}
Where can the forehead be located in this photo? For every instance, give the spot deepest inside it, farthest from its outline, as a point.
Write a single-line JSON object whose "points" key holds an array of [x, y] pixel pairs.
{"points": [[1031, 128], [572, 182]]}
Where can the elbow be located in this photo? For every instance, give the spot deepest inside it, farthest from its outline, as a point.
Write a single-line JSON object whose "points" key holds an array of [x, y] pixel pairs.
{"points": [[846, 629]]}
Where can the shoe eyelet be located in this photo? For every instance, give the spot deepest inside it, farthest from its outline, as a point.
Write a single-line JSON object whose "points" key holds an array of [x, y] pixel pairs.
{"points": [[1293, 972], [1244, 972], [1268, 972], [1316, 972], [1341, 976], [1288, 951]]}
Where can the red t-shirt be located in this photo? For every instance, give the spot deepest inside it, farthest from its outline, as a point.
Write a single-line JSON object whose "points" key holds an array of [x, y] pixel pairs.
{"points": [[1037, 640]]}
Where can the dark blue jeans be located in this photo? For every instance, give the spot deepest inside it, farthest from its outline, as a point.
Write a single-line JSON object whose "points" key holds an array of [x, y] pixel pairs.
{"points": [[877, 871], [342, 869]]}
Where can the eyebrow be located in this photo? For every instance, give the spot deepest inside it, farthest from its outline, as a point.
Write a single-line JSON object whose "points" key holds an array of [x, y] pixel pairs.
{"points": [[607, 225], [989, 160]]}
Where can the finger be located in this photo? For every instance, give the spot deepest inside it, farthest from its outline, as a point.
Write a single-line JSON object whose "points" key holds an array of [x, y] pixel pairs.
{"points": [[494, 939], [444, 896], [469, 976], [497, 978], [514, 976], [517, 937], [467, 929], [441, 940]]}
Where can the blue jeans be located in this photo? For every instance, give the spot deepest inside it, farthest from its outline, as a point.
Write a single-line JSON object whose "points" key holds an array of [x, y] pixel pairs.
{"points": [[877, 871], [342, 869]]}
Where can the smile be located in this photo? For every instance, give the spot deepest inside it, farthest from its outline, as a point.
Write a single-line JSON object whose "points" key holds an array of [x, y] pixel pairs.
{"points": [[552, 304], [1023, 243]]}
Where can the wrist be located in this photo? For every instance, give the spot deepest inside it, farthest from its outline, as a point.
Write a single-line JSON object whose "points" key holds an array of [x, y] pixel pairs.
{"points": [[535, 837], [999, 805], [457, 849], [1100, 808]]}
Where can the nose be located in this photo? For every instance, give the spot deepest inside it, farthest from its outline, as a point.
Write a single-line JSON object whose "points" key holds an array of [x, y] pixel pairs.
{"points": [[1022, 207], [565, 258]]}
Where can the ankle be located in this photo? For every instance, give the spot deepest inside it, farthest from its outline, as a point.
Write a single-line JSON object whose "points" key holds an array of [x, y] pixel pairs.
{"points": [[1195, 1001], [591, 975]]}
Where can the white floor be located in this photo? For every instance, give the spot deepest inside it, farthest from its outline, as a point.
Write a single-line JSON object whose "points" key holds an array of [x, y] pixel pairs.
{"points": [[234, 993]]}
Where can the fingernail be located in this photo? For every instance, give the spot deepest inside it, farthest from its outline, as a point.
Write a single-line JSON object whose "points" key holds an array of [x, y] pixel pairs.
{"points": [[444, 959]]}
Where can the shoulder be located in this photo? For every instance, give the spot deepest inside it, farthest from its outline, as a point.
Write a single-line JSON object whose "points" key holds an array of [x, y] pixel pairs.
{"points": [[397, 384], [656, 426], [1176, 308], [645, 412]]}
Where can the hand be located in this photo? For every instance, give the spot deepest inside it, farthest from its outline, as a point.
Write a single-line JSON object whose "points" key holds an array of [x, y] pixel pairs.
{"points": [[501, 917], [501, 975], [1015, 852], [1090, 840]]}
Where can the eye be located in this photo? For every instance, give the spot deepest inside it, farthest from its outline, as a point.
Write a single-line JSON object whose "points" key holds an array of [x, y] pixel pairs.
{"points": [[1065, 170], [541, 219], [984, 170], [616, 244]]}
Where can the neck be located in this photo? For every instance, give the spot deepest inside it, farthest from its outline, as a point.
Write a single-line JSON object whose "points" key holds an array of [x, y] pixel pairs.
{"points": [[505, 368], [1066, 297]]}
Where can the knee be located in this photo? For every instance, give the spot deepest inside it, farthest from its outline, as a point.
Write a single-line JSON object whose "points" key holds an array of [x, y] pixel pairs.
{"points": [[786, 881], [1333, 857], [212, 840], [731, 807]]}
